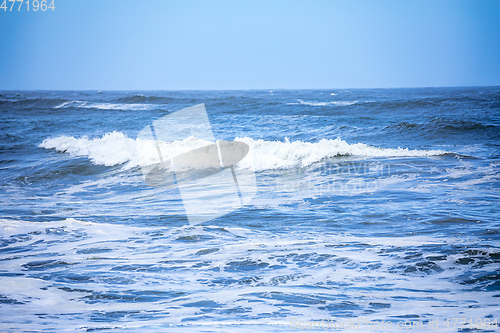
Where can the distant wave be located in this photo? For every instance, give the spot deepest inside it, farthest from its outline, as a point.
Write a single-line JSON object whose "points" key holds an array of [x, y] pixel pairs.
{"points": [[452, 124], [116, 148], [103, 106], [438, 101], [139, 98], [440, 124], [32, 103], [335, 103]]}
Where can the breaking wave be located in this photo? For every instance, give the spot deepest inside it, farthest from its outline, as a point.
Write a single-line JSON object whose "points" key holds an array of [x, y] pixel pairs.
{"points": [[116, 148], [104, 106], [334, 103]]}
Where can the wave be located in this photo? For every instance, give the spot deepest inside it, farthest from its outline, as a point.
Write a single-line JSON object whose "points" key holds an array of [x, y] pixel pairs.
{"points": [[281, 155], [103, 106], [464, 125], [32, 103], [139, 98], [116, 148], [429, 102], [335, 103], [440, 124]]}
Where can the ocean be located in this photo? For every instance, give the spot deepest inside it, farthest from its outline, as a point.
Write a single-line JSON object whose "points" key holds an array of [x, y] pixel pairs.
{"points": [[374, 207]]}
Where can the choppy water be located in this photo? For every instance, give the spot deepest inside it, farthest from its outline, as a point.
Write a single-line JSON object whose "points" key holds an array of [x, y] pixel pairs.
{"points": [[371, 204]]}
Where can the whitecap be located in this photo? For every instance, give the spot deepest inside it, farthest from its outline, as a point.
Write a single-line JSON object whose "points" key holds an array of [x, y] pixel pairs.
{"points": [[104, 106], [116, 148], [334, 103]]}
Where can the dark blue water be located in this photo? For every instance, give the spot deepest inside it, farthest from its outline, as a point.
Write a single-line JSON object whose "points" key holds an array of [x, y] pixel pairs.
{"points": [[375, 205]]}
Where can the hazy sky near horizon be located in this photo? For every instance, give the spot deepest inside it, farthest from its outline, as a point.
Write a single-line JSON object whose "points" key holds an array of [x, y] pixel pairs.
{"points": [[149, 45]]}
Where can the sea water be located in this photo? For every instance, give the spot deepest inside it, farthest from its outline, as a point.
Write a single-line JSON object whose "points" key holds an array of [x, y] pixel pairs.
{"points": [[372, 206]]}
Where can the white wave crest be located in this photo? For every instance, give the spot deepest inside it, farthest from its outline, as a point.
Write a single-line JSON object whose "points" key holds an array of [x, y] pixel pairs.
{"points": [[278, 155], [334, 103], [116, 148], [104, 106]]}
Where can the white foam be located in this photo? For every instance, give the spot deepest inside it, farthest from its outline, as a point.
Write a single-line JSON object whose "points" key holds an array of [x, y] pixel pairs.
{"points": [[116, 148], [104, 106], [279, 155], [320, 265], [111, 149], [334, 103], [65, 104], [118, 106]]}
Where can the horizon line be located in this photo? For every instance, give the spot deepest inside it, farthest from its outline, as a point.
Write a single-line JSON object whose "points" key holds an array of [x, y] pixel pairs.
{"points": [[259, 89]]}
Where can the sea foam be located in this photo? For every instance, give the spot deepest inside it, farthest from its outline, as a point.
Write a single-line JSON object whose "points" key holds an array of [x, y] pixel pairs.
{"points": [[116, 148], [333, 103], [104, 106]]}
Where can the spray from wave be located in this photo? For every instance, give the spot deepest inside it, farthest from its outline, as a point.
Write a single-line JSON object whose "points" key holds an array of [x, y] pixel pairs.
{"points": [[116, 148]]}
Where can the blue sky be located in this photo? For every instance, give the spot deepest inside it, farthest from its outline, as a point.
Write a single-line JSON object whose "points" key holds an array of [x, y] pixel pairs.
{"points": [[121, 44]]}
